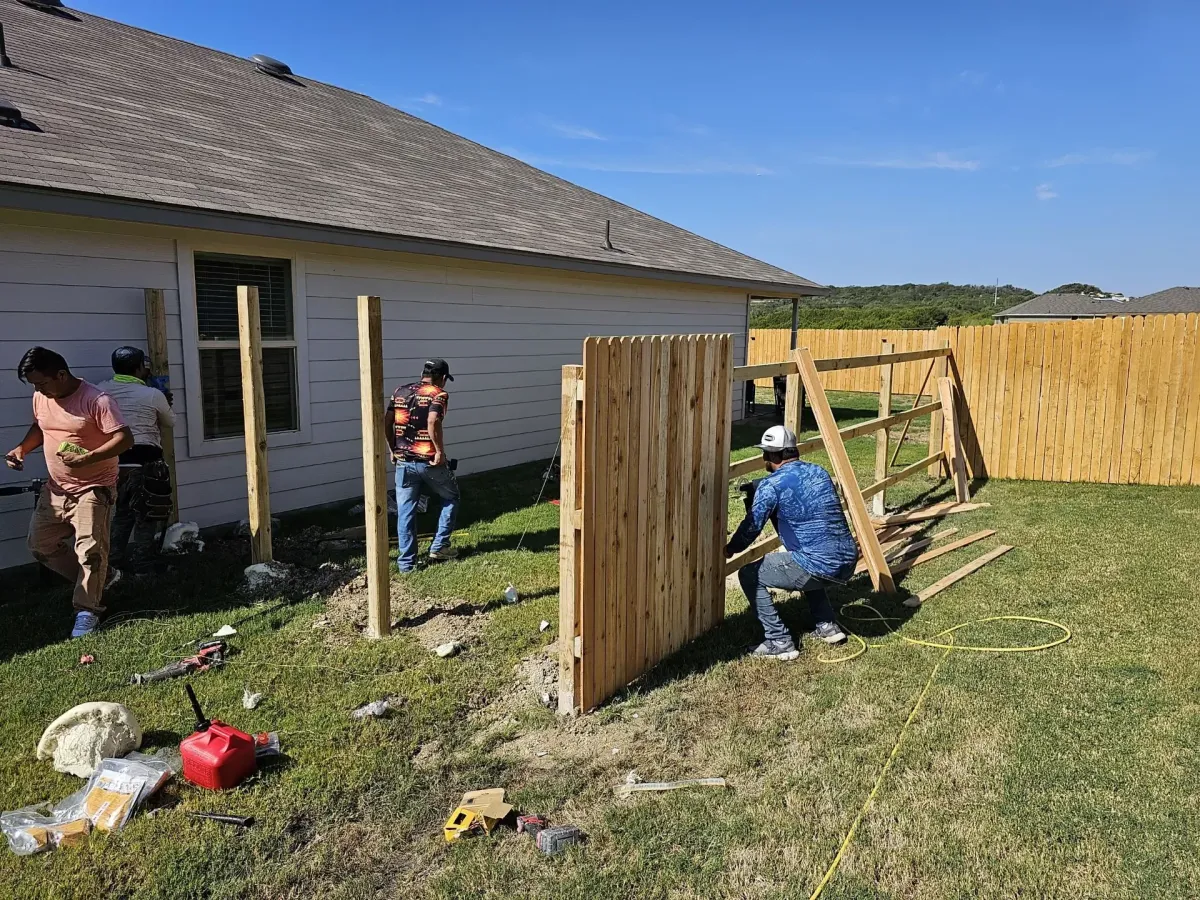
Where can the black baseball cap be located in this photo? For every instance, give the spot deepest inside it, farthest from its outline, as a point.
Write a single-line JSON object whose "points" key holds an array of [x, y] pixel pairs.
{"points": [[438, 367]]}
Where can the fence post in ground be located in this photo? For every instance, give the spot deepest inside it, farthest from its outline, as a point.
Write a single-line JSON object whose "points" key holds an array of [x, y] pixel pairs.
{"points": [[940, 371], [370, 381], [156, 347], [952, 440], [258, 491], [570, 551], [878, 502]]}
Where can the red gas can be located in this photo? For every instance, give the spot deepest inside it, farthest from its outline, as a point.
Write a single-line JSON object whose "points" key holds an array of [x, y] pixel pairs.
{"points": [[217, 756]]}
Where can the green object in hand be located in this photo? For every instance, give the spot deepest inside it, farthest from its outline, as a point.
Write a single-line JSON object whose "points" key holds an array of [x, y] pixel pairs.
{"points": [[68, 447]]}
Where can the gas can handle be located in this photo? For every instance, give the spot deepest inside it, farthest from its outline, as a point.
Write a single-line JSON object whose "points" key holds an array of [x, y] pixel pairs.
{"points": [[201, 722]]}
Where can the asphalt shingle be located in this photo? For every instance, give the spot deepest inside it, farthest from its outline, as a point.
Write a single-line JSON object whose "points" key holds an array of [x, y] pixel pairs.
{"points": [[131, 114]]}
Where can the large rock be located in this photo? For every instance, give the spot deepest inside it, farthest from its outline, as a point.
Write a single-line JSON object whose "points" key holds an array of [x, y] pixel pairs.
{"points": [[83, 735]]}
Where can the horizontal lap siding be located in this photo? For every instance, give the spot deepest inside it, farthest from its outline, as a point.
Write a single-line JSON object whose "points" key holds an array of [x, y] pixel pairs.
{"points": [[506, 340], [507, 332], [79, 292]]}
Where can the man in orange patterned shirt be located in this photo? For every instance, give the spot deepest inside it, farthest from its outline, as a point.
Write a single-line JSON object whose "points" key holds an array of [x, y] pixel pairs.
{"points": [[413, 424]]}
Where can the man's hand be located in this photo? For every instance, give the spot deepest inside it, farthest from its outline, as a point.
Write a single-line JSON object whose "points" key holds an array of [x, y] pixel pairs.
{"points": [[438, 458], [74, 460], [15, 459], [170, 398]]}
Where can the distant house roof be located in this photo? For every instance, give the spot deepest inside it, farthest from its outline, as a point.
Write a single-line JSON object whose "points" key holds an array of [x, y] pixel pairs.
{"points": [[1172, 300], [126, 113], [1049, 305]]}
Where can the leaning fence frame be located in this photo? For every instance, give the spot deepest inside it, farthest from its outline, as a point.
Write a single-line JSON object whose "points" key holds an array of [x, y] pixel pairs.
{"points": [[803, 376]]}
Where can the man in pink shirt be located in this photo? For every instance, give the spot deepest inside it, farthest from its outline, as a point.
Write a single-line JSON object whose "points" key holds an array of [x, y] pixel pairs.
{"points": [[83, 433]]}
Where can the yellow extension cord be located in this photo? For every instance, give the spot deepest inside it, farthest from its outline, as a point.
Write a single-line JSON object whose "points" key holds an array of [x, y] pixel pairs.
{"points": [[946, 647]]}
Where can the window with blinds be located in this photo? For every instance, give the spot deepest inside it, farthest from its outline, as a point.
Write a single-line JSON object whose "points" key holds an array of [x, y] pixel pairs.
{"points": [[217, 279]]}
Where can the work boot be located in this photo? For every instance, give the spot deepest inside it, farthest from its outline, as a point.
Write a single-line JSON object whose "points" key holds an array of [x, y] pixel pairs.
{"points": [[784, 650], [829, 632], [444, 555], [85, 623]]}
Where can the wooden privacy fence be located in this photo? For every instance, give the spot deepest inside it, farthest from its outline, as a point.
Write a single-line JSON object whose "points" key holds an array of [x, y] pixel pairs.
{"points": [[773, 344], [645, 449], [1113, 400]]}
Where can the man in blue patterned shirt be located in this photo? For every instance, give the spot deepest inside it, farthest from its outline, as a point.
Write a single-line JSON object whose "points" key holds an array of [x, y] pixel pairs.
{"points": [[800, 500]]}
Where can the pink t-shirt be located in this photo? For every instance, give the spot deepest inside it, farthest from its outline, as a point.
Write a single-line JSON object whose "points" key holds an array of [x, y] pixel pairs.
{"points": [[88, 417]]}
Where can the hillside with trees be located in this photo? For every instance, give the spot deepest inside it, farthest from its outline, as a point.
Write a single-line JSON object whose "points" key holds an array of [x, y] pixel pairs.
{"points": [[915, 306]]}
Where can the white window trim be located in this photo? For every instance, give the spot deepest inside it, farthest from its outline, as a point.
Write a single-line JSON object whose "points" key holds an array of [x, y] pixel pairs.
{"points": [[185, 252]]}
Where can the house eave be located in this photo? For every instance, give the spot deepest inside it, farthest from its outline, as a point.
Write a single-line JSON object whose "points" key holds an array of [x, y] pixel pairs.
{"points": [[52, 200]]}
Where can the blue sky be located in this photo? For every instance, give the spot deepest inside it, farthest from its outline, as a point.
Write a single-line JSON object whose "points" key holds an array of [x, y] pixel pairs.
{"points": [[853, 142]]}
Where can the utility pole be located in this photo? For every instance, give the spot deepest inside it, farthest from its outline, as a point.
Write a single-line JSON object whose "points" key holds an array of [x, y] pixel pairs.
{"points": [[996, 294]]}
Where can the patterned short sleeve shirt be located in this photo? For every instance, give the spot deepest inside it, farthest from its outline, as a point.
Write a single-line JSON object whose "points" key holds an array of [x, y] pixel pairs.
{"points": [[411, 406]]}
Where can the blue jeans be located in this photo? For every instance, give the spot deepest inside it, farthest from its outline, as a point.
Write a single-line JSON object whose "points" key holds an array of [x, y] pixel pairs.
{"points": [[411, 478], [780, 571]]}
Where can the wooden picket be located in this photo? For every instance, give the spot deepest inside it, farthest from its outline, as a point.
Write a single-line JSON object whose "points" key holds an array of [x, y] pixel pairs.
{"points": [[646, 438], [1114, 400]]}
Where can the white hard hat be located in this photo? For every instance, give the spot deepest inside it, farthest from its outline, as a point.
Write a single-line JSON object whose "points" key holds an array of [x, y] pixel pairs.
{"points": [[778, 438]]}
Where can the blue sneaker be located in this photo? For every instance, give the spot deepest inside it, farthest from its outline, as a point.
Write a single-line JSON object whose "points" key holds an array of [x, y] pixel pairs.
{"points": [[85, 623]]}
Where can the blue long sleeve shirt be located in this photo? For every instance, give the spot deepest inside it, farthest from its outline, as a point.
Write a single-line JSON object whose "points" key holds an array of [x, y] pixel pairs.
{"points": [[799, 497]]}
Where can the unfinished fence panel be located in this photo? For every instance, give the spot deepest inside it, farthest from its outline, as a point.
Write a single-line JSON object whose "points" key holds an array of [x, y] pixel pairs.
{"points": [[1112, 400], [646, 436]]}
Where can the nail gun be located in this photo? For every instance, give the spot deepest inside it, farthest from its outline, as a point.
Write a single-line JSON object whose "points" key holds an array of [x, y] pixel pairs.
{"points": [[209, 654]]}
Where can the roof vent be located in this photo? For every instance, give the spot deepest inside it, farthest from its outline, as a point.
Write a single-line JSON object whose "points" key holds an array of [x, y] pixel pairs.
{"points": [[44, 4], [10, 116], [269, 66]]}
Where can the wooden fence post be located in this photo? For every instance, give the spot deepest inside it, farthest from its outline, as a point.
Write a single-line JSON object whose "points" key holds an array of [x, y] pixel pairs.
{"points": [[156, 347], [952, 440], [878, 502], [370, 385], [258, 491], [940, 371], [570, 552]]}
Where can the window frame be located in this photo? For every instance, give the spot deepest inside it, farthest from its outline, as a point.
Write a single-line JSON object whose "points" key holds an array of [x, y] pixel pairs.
{"points": [[186, 252]]}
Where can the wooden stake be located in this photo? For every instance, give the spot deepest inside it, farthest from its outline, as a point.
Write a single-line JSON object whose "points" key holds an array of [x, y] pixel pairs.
{"points": [[952, 440], [916, 403], [957, 575], [374, 444], [258, 490], [570, 556], [881, 576], [941, 369], [878, 501], [156, 346], [903, 565], [930, 512]]}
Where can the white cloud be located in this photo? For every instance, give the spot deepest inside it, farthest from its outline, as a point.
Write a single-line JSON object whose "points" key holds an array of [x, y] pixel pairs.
{"points": [[643, 167], [972, 77], [427, 99], [576, 132], [1045, 191], [1101, 158], [934, 161]]}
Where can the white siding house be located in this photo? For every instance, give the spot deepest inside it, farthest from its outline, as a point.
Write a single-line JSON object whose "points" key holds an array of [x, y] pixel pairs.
{"points": [[118, 178]]}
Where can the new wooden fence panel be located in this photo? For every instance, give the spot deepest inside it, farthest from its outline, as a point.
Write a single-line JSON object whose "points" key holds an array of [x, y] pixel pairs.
{"points": [[654, 453], [1113, 400]]}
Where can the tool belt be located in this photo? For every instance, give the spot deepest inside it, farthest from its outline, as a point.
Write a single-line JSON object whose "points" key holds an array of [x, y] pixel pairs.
{"points": [[154, 503]]}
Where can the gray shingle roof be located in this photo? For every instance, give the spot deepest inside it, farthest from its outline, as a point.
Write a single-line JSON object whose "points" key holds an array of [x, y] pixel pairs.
{"points": [[1065, 305], [131, 114], [1172, 300]]}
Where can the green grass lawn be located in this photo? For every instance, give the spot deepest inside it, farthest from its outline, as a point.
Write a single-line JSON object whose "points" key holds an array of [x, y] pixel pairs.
{"points": [[1069, 773]]}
